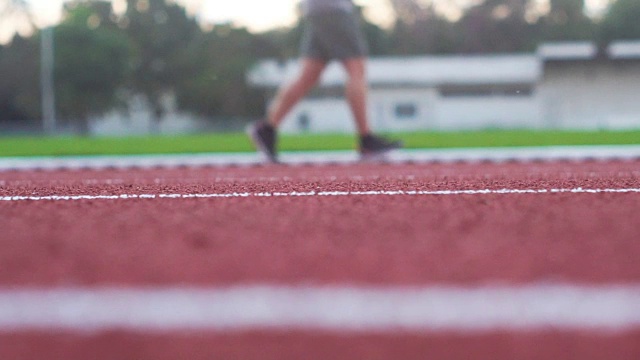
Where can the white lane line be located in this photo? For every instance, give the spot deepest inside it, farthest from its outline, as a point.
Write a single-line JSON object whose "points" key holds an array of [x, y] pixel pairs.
{"points": [[548, 153], [578, 190], [532, 307]]}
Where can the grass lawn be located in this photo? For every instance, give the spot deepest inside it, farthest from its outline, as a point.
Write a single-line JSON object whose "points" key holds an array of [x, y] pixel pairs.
{"points": [[238, 142]]}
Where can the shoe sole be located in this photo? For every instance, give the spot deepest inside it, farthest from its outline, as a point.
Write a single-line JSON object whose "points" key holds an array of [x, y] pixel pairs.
{"points": [[377, 156], [380, 155], [252, 132]]}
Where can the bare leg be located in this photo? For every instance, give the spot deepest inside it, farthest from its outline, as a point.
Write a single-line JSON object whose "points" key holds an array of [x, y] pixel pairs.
{"points": [[289, 95], [356, 93]]}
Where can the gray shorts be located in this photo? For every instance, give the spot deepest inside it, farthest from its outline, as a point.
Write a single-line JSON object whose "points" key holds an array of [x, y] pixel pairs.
{"points": [[333, 36]]}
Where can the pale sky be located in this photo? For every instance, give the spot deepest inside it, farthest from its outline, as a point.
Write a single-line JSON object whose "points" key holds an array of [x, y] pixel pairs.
{"points": [[257, 15]]}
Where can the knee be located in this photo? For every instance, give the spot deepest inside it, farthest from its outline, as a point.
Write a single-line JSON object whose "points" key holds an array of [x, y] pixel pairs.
{"points": [[309, 79], [355, 71]]}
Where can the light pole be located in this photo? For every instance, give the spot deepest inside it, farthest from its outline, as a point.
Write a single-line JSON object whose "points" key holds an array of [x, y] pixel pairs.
{"points": [[47, 80]]}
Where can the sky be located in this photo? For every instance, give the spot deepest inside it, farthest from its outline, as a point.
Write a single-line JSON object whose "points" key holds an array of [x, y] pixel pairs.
{"points": [[257, 15]]}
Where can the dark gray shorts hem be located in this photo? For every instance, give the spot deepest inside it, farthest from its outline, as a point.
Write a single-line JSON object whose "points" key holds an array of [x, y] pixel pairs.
{"points": [[333, 36]]}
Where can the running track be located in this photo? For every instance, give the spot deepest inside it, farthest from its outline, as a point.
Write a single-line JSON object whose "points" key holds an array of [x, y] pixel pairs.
{"points": [[508, 260]]}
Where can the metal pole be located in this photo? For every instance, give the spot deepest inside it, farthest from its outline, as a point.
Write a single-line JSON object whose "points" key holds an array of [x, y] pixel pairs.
{"points": [[47, 81]]}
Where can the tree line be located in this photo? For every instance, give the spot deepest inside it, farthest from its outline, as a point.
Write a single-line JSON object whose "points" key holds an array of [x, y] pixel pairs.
{"points": [[158, 51]]}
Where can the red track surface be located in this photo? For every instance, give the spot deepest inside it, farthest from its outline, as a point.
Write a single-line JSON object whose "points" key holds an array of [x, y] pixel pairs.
{"points": [[371, 240]]}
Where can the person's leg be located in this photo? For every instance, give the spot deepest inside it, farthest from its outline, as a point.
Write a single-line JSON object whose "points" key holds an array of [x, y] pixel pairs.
{"points": [[356, 93], [264, 134], [356, 90], [289, 95]]}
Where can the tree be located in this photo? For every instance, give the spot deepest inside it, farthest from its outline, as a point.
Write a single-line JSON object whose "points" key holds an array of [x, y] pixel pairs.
{"points": [[419, 29], [621, 21], [378, 40], [498, 26], [408, 11], [486, 26], [216, 85], [164, 37], [19, 92], [19, 80], [92, 62], [566, 20]]}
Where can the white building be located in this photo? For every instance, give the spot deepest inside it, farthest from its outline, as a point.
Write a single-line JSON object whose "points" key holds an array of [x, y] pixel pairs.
{"points": [[585, 89], [563, 85]]}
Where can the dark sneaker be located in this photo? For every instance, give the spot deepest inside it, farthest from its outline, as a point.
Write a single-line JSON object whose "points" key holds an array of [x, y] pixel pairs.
{"points": [[372, 146], [264, 137]]}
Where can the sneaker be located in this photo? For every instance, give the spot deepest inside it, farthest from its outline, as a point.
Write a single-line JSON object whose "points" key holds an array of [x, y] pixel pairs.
{"points": [[264, 137], [372, 146]]}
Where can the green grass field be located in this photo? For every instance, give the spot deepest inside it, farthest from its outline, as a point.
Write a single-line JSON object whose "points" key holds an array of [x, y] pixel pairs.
{"points": [[238, 142]]}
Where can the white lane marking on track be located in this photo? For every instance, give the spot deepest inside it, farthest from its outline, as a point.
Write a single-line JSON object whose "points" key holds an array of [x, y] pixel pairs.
{"points": [[318, 193], [531, 307], [234, 179]]}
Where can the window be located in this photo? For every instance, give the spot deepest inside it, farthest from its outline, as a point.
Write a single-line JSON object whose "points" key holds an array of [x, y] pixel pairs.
{"points": [[406, 111], [304, 123]]}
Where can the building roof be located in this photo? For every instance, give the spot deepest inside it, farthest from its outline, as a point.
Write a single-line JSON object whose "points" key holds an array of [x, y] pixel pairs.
{"points": [[624, 50], [451, 70], [418, 71], [584, 50], [568, 51]]}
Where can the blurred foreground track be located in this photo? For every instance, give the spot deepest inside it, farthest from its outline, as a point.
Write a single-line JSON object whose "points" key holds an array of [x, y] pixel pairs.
{"points": [[467, 239]]}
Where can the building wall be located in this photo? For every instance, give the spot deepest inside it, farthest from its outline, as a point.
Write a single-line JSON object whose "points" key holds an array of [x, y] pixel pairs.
{"points": [[591, 95], [138, 120], [319, 115], [570, 87], [415, 109], [333, 114], [505, 112], [403, 109]]}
